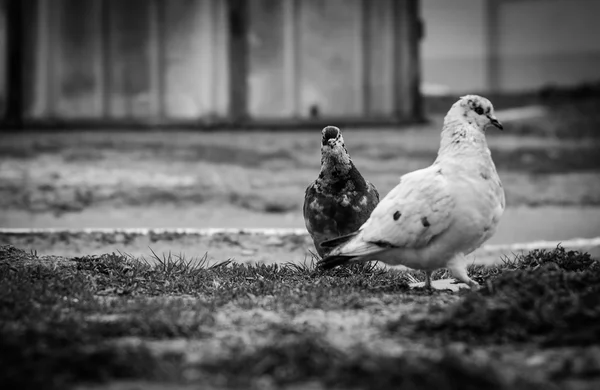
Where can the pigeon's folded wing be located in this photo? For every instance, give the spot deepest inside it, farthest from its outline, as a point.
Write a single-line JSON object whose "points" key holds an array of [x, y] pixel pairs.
{"points": [[313, 212], [373, 190], [418, 209]]}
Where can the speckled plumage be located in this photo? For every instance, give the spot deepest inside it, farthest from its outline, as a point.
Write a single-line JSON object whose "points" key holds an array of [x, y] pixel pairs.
{"points": [[340, 200], [436, 215]]}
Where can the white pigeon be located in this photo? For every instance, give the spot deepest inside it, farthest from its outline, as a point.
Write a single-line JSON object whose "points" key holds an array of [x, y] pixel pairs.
{"points": [[436, 215]]}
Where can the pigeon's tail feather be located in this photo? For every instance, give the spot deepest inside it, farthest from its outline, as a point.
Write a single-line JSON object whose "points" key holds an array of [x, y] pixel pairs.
{"points": [[357, 247], [353, 249], [337, 241], [333, 261]]}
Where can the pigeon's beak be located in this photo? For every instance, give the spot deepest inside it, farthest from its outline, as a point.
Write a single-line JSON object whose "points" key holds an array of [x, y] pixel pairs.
{"points": [[494, 121], [329, 142]]}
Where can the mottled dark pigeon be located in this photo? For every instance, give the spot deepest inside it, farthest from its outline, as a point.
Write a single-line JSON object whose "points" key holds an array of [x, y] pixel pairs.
{"points": [[340, 200]]}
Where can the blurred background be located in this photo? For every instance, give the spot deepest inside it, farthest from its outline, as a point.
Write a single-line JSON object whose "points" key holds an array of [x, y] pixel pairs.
{"points": [[206, 61], [207, 113]]}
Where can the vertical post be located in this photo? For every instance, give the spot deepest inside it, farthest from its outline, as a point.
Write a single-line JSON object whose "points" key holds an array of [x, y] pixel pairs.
{"points": [[98, 68], [290, 54], [408, 27], [492, 8], [162, 57], [55, 15], [41, 59], [105, 57], [238, 58], [365, 52], [401, 58], [156, 39], [416, 33], [14, 56]]}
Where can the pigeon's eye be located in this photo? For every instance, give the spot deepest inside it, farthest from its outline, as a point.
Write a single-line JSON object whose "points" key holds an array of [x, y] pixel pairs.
{"points": [[479, 110]]}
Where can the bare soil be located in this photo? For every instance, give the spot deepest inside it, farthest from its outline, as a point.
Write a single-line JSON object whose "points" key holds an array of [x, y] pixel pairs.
{"points": [[58, 174], [257, 179]]}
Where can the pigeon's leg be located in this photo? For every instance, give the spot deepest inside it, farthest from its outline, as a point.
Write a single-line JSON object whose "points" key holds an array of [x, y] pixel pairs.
{"points": [[458, 268], [426, 284], [428, 280]]}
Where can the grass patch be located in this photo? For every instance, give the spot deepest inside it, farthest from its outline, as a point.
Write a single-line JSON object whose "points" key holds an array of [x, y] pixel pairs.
{"points": [[222, 283], [548, 297], [46, 341], [59, 322], [66, 323]]}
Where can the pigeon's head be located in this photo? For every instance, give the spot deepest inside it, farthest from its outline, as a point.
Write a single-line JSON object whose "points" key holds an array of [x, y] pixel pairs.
{"points": [[476, 110], [332, 136], [332, 145]]}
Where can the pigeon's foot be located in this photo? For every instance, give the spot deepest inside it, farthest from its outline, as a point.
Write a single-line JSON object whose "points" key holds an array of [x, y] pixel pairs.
{"points": [[449, 284], [442, 284], [458, 268], [474, 285], [416, 285]]}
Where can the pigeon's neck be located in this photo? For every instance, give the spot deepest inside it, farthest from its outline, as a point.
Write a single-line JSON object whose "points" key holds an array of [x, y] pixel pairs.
{"points": [[335, 159], [335, 165], [464, 139], [338, 169]]}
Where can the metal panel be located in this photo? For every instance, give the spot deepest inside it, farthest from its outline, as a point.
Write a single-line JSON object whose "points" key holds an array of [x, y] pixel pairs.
{"points": [[153, 62], [38, 61], [3, 55], [407, 33], [77, 59], [330, 58], [266, 76], [192, 59], [380, 58], [132, 90]]}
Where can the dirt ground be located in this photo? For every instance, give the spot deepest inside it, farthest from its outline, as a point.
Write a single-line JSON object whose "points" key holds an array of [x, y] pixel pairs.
{"points": [[547, 158], [262, 247]]}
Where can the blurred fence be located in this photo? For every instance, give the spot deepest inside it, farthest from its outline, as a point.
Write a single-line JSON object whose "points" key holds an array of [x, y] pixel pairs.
{"points": [[212, 61]]}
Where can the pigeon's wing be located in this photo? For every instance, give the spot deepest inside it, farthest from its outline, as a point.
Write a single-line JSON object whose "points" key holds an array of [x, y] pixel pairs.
{"points": [[418, 209], [309, 209], [318, 219], [308, 196], [373, 190], [350, 209]]}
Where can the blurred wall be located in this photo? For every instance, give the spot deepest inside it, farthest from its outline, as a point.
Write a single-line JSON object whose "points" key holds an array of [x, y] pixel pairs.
{"points": [[551, 42], [2, 57], [454, 45], [125, 59], [539, 43], [149, 61], [336, 57]]}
